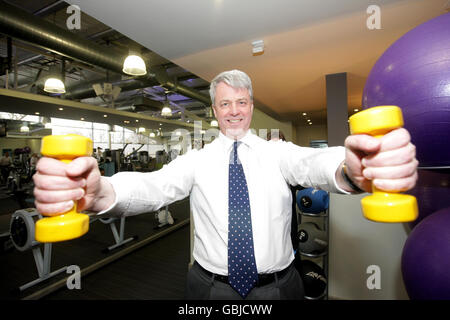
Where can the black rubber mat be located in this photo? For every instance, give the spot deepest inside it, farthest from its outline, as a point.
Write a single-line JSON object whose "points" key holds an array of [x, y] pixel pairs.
{"points": [[18, 268], [156, 271]]}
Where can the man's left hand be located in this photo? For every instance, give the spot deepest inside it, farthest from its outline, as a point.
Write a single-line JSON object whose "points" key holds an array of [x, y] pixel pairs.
{"points": [[388, 162]]}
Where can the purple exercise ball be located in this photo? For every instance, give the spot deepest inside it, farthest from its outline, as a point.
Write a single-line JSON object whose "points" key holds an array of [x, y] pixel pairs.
{"points": [[432, 192], [414, 74], [426, 258]]}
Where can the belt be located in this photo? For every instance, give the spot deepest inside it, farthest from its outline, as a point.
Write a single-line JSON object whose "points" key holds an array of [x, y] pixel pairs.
{"points": [[263, 278]]}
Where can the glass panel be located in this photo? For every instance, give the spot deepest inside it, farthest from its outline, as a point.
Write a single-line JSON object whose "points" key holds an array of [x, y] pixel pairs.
{"points": [[102, 126], [101, 136], [71, 123], [57, 130]]}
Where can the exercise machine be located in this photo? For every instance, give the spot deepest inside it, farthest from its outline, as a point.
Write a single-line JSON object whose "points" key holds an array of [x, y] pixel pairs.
{"points": [[117, 235], [164, 217], [22, 235]]}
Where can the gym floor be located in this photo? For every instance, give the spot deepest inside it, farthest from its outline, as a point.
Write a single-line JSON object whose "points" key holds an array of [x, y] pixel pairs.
{"points": [[157, 269]]}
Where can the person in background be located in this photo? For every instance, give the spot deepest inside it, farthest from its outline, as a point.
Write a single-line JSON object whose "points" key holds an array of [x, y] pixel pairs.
{"points": [[5, 162], [275, 135], [33, 162], [100, 154]]}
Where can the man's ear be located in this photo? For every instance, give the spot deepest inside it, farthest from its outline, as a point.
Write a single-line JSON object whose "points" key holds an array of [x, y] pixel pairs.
{"points": [[214, 110]]}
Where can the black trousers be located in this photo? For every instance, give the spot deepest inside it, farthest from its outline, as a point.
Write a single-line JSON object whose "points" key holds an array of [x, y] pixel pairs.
{"points": [[201, 286]]}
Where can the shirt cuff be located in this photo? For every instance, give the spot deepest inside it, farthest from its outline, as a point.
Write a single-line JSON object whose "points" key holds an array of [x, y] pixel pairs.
{"points": [[336, 165], [339, 189], [122, 201]]}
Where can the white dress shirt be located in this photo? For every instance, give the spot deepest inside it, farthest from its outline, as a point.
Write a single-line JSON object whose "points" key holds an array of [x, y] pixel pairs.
{"points": [[269, 167]]}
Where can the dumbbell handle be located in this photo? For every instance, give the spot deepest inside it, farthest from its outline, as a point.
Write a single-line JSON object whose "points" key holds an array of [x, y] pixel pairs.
{"points": [[383, 206], [70, 224]]}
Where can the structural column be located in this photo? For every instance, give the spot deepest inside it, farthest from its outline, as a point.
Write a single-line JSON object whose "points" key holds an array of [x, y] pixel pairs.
{"points": [[337, 105]]}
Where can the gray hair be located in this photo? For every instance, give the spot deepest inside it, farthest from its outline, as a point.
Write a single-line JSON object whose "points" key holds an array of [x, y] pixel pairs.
{"points": [[233, 78]]}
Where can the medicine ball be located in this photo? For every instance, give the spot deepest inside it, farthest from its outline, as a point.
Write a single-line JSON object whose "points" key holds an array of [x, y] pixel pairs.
{"points": [[314, 280], [311, 238], [312, 200]]}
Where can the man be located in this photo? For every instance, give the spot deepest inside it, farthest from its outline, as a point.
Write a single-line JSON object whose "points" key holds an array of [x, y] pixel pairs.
{"points": [[99, 154], [33, 162], [239, 194]]}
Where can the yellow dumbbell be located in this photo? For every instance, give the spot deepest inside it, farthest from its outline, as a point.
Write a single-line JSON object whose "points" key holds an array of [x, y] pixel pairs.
{"points": [[383, 206], [70, 224]]}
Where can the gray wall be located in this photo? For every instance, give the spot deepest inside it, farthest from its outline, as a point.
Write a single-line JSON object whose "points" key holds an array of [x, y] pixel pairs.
{"points": [[13, 143], [356, 243], [307, 133], [261, 120]]}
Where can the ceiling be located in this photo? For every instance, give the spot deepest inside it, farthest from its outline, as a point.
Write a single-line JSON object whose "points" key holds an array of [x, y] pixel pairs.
{"points": [[190, 43], [93, 54]]}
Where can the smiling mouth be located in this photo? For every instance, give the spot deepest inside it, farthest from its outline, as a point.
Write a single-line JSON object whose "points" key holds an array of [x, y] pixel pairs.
{"points": [[235, 120]]}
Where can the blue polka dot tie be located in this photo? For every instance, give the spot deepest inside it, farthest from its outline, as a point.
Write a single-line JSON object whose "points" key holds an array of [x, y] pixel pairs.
{"points": [[242, 272]]}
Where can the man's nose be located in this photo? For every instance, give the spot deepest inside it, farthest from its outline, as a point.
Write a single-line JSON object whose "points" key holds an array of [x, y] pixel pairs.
{"points": [[234, 108]]}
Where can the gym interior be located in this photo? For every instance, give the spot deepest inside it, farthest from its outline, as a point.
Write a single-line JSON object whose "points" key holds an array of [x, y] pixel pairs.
{"points": [[313, 65]]}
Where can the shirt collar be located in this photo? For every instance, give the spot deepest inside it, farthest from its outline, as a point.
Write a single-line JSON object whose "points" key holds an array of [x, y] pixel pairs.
{"points": [[247, 139]]}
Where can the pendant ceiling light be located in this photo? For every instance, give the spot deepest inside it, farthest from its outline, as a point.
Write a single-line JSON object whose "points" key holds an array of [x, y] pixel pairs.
{"points": [[54, 83], [166, 111], [134, 66]]}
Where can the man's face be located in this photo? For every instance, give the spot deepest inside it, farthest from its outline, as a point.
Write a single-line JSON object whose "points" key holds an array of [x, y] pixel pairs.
{"points": [[233, 109]]}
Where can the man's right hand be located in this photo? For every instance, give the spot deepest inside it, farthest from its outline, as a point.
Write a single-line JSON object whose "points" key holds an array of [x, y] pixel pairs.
{"points": [[58, 185]]}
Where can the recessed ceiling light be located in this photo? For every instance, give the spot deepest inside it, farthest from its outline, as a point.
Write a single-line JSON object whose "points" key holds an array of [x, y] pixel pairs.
{"points": [[36, 113], [137, 120], [60, 109], [105, 116], [356, 110], [81, 118], [304, 113]]}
